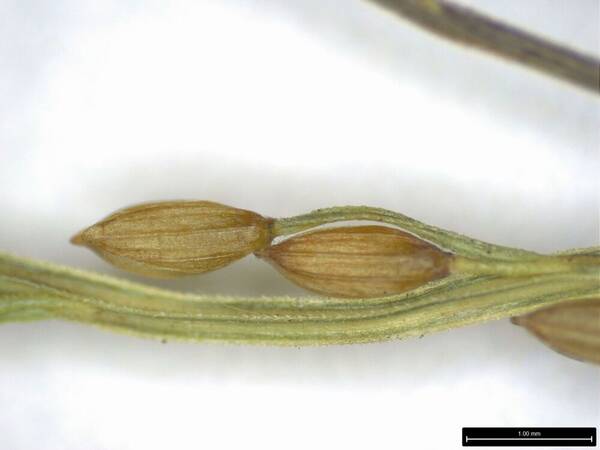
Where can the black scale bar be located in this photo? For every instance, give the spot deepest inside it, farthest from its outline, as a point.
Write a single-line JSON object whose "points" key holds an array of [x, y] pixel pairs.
{"points": [[529, 437]]}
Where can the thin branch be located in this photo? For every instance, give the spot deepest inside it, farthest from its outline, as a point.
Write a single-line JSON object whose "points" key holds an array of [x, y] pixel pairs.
{"points": [[468, 27], [445, 239]]}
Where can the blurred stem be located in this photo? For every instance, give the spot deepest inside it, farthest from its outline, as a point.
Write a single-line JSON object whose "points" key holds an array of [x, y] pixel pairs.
{"points": [[468, 27]]}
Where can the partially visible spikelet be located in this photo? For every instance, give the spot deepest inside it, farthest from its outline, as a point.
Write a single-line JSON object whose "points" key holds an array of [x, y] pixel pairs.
{"points": [[571, 328], [174, 238], [361, 261]]}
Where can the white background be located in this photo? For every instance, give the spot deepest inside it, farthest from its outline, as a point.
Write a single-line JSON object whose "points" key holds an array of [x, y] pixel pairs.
{"points": [[283, 106]]}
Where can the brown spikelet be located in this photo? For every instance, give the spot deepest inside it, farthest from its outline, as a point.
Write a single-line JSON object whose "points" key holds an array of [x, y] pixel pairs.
{"points": [[571, 328], [174, 238], [361, 261]]}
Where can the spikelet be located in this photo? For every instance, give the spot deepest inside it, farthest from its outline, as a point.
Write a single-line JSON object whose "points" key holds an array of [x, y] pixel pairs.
{"points": [[570, 328], [174, 238], [361, 261]]}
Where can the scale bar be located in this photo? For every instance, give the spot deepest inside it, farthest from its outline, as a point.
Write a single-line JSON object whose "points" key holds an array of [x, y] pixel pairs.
{"points": [[529, 437]]}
